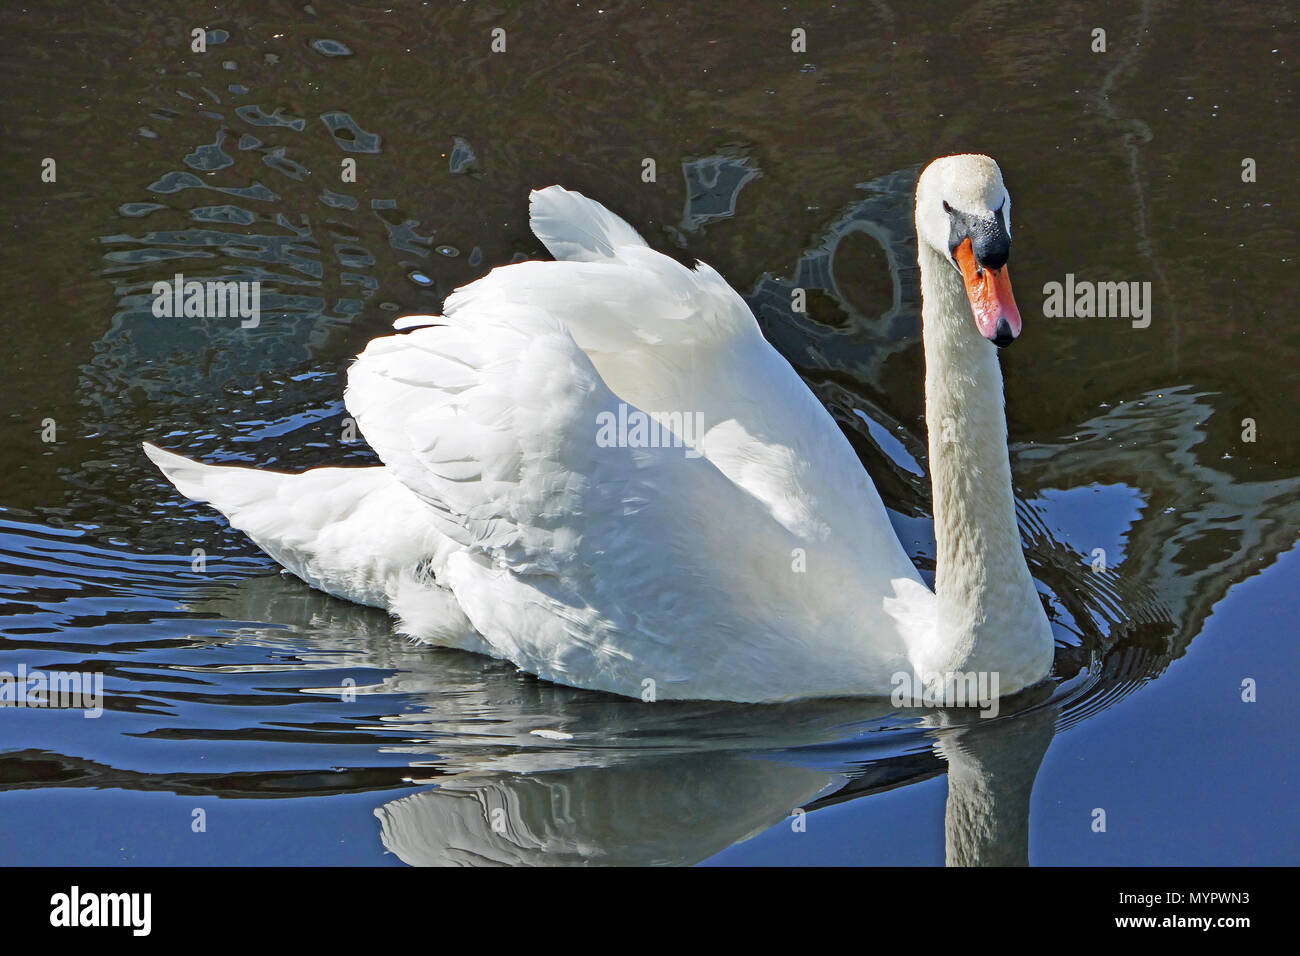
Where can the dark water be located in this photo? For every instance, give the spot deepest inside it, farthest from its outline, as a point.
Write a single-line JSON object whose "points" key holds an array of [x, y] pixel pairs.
{"points": [[225, 687]]}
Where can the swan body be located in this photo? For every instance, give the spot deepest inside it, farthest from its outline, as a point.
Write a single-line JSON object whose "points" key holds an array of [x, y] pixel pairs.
{"points": [[735, 550]]}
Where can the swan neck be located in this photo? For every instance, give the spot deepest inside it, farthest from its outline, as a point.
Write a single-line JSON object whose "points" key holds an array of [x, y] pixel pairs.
{"points": [[989, 614], [991, 775]]}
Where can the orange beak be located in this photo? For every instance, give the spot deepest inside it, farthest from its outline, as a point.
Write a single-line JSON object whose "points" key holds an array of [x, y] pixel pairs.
{"points": [[991, 302]]}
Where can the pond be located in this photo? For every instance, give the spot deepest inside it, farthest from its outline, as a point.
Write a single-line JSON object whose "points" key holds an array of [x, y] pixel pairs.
{"points": [[362, 161]]}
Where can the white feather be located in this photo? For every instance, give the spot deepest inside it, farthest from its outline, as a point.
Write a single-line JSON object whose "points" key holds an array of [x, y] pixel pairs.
{"points": [[750, 559]]}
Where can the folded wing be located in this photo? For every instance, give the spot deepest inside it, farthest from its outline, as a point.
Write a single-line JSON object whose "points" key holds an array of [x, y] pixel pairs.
{"points": [[682, 345], [586, 558]]}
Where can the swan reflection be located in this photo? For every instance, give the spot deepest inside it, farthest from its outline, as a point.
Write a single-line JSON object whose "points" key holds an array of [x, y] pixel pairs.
{"points": [[526, 772]]}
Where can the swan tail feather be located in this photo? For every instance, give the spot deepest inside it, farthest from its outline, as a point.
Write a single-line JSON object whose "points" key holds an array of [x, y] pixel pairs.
{"points": [[356, 533], [201, 482]]}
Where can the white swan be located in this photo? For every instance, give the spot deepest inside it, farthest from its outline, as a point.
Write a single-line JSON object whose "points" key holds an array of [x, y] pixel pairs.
{"points": [[755, 563]]}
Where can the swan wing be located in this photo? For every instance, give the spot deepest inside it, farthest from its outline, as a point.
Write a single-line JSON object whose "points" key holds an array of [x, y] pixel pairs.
{"points": [[573, 227], [588, 557], [682, 345]]}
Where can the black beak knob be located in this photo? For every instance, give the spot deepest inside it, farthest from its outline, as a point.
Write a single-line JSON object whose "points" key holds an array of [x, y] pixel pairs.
{"points": [[1004, 335]]}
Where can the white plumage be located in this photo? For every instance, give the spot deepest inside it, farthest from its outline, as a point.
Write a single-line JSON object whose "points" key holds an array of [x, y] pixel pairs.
{"points": [[751, 560]]}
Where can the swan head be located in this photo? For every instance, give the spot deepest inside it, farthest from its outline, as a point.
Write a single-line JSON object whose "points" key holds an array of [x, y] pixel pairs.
{"points": [[963, 213]]}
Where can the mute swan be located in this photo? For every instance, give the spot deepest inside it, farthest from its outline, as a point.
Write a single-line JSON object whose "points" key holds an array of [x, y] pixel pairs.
{"points": [[748, 559]]}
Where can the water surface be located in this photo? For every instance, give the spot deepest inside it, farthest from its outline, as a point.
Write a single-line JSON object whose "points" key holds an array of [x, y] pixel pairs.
{"points": [[309, 732]]}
